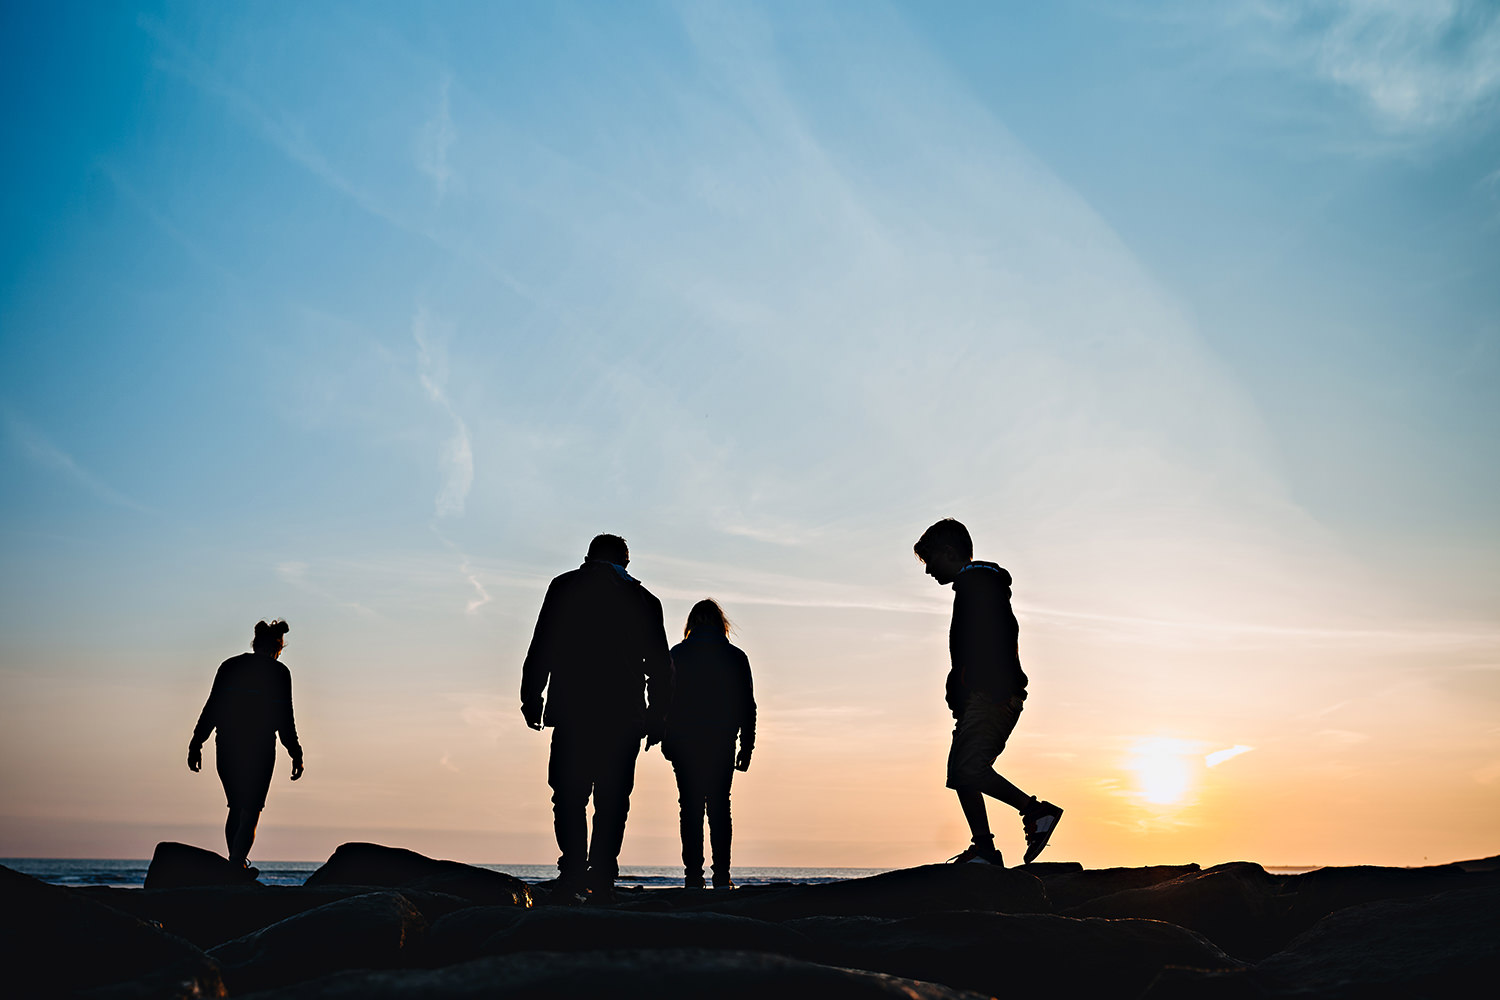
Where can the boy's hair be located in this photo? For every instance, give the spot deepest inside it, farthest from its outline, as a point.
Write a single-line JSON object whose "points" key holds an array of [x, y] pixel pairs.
{"points": [[946, 532], [610, 548]]}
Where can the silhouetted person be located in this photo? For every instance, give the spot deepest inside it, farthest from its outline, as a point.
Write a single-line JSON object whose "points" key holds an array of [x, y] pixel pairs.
{"points": [[600, 650], [249, 705], [986, 689], [713, 703]]}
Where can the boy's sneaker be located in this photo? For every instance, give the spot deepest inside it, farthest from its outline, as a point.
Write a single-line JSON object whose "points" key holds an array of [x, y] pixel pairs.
{"points": [[1039, 821], [976, 854]]}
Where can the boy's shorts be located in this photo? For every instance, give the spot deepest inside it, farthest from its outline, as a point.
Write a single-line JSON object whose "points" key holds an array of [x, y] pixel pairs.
{"points": [[980, 734]]}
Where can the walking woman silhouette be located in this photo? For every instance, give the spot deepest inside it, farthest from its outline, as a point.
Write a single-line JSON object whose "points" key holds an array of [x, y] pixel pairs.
{"points": [[712, 704], [251, 702]]}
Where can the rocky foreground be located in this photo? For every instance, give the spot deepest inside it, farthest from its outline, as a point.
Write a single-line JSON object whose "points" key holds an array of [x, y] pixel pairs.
{"points": [[378, 922]]}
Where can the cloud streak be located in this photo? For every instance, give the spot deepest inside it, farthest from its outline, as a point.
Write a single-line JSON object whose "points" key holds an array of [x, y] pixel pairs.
{"points": [[457, 455], [42, 451]]}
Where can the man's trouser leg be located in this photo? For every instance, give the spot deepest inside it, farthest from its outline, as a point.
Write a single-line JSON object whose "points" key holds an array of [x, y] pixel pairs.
{"points": [[568, 775], [614, 757]]}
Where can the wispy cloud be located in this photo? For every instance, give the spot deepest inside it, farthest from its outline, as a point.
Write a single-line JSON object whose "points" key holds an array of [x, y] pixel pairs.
{"points": [[1220, 756], [295, 573], [1418, 65], [435, 139], [41, 450], [458, 455]]}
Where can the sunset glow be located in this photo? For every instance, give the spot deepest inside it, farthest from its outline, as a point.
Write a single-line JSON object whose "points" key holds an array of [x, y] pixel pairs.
{"points": [[370, 315]]}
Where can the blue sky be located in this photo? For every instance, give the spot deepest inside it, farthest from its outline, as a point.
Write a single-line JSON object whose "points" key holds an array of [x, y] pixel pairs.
{"points": [[370, 317]]}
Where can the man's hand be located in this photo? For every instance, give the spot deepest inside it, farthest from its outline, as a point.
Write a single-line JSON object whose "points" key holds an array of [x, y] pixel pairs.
{"points": [[195, 757], [296, 768], [742, 760], [533, 715]]}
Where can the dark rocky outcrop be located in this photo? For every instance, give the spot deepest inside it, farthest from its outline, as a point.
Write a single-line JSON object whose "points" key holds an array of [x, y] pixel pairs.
{"points": [[1442, 945], [1234, 905], [1073, 888], [54, 942], [1014, 954], [178, 866], [461, 935], [623, 975], [1311, 896], [211, 915], [589, 929], [398, 868], [376, 930], [902, 893]]}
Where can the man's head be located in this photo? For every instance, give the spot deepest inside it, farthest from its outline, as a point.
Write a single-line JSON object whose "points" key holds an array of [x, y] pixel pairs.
{"points": [[945, 549], [610, 548]]}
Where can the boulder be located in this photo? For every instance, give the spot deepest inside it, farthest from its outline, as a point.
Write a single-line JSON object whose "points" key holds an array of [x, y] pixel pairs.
{"points": [[1446, 944], [1004, 954], [176, 866], [375, 930], [211, 915], [1069, 889], [1312, 896], [460, 936], [567, 929], [902, 893], [622, 975], [54, 942], [398, 868], [1234, 905]]}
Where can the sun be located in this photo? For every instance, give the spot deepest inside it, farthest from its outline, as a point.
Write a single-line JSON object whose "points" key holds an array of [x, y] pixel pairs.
{"points": [[1163, 768]]}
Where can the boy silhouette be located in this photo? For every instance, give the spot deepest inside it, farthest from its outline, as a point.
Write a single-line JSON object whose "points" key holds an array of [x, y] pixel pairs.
{"points": [[986, 690]]}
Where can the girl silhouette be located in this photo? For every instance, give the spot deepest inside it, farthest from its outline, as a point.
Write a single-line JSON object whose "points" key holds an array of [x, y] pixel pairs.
{"points": [[251, 702], [713, 703]]}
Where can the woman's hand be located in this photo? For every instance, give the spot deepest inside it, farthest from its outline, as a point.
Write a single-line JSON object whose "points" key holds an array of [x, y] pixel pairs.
{"points": [[296, 768], [742, 761], [195, 757]]}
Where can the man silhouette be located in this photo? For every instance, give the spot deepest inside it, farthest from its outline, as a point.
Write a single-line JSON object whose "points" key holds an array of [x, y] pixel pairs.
{"points": [[986, 690], [600, 650]]}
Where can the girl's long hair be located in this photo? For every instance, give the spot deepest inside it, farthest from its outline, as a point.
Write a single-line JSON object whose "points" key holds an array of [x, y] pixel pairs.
{"points": [[706, 618]]}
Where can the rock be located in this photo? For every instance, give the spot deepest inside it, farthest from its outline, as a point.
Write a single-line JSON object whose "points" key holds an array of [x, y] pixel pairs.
{"points": [[1312, 896], [1005, 954], [1446, 944], [902, 893], [176, 866], [398, 868], [1043, 869], [211, 915], [54, 942], [622, 975], [1069, 889], [596, 929], [1480, 864], [375, 930], [460, 936], [1233, 905]]}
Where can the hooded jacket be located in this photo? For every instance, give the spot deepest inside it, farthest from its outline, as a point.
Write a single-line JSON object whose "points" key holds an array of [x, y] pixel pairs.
{"points": [[713, 698], [600, 651], [982, 641]]}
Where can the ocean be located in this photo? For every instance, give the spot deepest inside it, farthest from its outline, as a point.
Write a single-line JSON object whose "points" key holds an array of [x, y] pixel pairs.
{"points": [[131, 874]]}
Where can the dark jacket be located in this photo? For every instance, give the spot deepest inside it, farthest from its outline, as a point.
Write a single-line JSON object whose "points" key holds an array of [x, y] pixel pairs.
{"points": [[599, 644], [982, 638], [250, 703], [713, 699]]}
